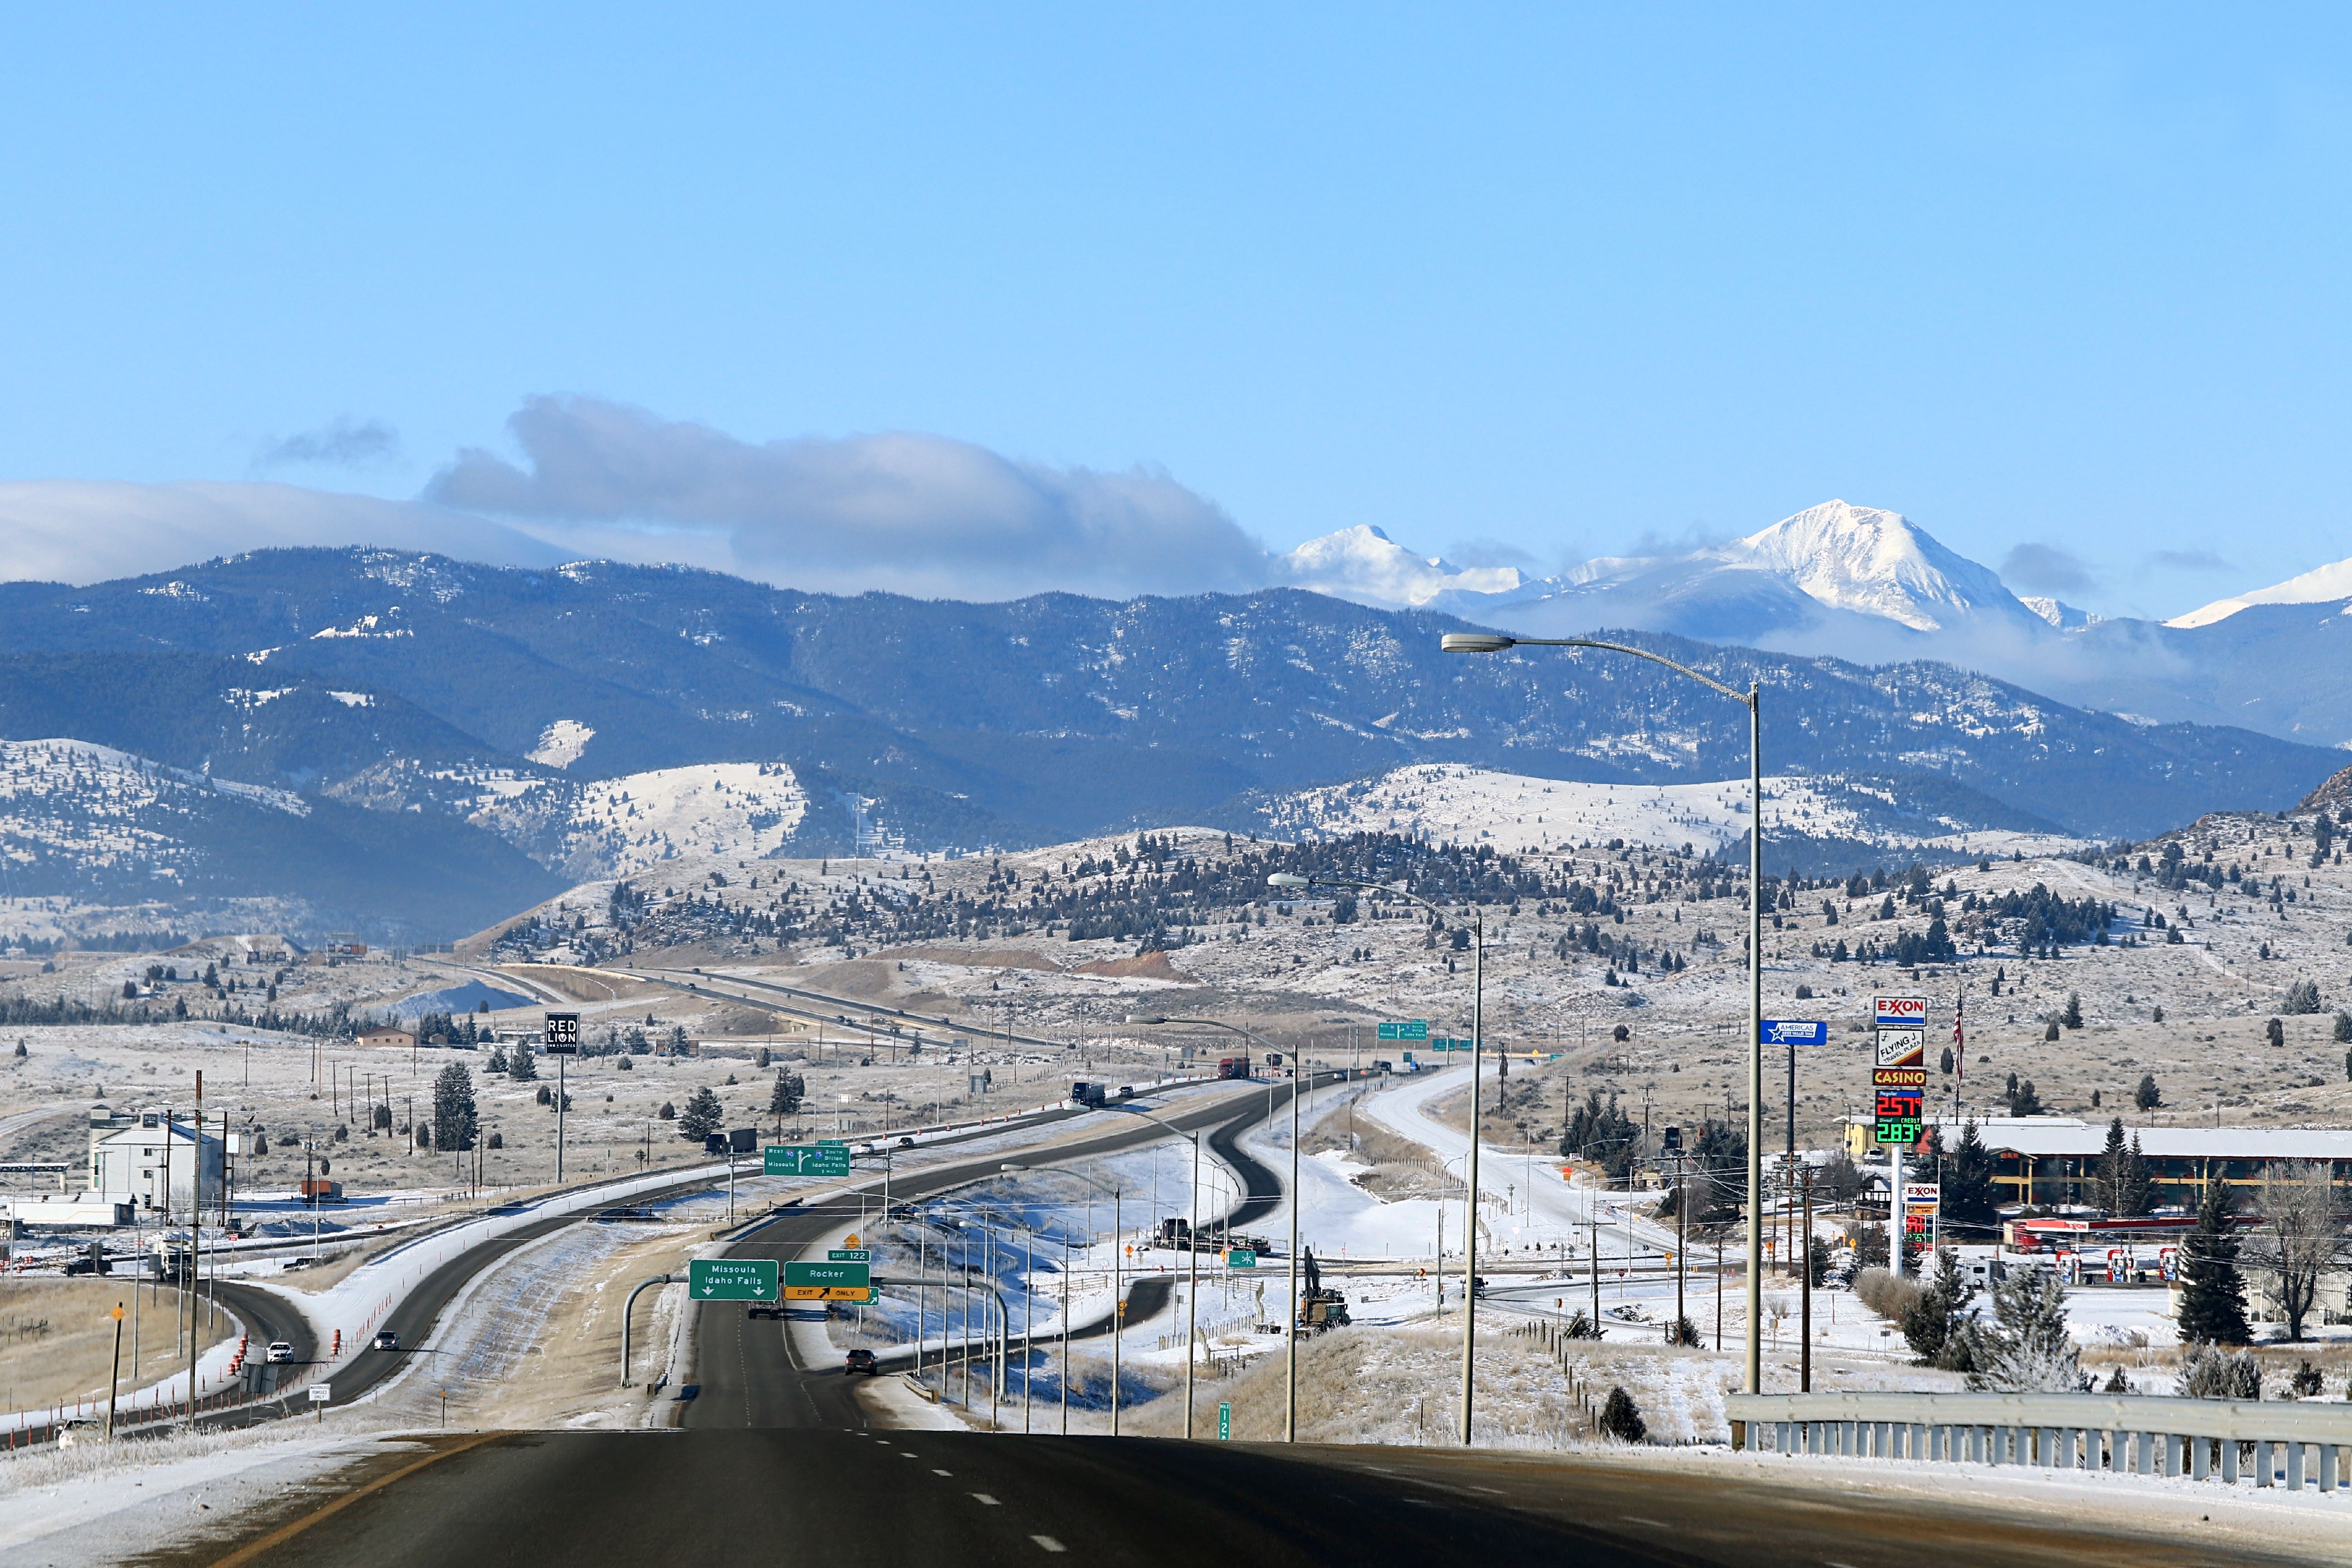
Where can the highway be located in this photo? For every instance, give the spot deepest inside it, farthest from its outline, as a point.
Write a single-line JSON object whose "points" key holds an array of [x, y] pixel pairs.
{"points": [[744, 1367], [848, 1499], [779, 1461]]}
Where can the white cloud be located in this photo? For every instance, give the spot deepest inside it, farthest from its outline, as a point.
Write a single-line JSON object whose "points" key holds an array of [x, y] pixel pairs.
{"points": [[79, 531], [904, 513]]}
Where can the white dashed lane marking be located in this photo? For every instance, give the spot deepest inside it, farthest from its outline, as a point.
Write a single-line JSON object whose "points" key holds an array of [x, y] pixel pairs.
{"points": [[1049, 1543], [943, 1472], [986, 1500]]}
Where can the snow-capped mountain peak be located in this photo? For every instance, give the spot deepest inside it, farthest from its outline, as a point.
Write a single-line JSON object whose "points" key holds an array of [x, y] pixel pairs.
{"points": [[2320, 585], [1364, 564], [1872, 563], [2059, 613]]}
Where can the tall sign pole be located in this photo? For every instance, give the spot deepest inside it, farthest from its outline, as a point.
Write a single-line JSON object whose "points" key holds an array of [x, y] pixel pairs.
{"points": [[1899, 1079], [559, 1036]]}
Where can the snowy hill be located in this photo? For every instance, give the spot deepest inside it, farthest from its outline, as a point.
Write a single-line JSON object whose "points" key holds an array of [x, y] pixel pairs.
{"points": [[99, 826], [585, 828], [1513, 814], [1364, 564], [2321, 585], [612, 828]]}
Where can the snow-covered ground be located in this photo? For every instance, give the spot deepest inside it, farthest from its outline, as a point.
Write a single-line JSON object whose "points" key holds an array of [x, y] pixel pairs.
{"points": [[1520, 814]]}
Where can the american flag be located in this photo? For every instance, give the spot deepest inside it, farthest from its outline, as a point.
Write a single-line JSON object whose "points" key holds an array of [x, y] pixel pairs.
{"points": [[1959, 1043]]}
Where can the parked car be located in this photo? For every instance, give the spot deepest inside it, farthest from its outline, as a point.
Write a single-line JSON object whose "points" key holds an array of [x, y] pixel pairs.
{"points": [[280, 1351], [863, 1360], [385, 1339]]}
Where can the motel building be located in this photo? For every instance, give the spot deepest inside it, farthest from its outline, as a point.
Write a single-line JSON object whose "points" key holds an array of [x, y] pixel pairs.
{"points": [[2052, 1161]]}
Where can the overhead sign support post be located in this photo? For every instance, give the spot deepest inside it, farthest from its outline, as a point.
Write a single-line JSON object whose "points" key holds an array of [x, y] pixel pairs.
{"points": [[559, 1037]]}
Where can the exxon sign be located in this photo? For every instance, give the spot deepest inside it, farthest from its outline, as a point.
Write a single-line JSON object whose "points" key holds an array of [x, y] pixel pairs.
{"points": [[1901, 1012]]}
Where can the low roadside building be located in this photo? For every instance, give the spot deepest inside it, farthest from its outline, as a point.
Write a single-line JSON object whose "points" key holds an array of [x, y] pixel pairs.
{"points": [[388, 1035], [2053, 1160]]}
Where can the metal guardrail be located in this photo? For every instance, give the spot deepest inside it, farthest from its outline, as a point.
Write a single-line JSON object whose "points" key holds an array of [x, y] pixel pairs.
{"points": [[2123, 1434]]}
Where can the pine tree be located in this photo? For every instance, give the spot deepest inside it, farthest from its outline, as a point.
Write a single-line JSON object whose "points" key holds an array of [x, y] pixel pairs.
{"points": [[1969, 1198], [2026, 1348], [1933, 1323], [2111, 1169], [454, 1120], [2148, 1097], [2137, 1192], [2073, 1017], [2213, 1292], [1621, 1418], [2344, 1028], [523, 1063], [702, 1115]]}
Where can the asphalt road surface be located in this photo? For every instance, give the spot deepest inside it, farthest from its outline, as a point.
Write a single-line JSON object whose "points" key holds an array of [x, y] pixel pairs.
{"points": [[850, 1500]]}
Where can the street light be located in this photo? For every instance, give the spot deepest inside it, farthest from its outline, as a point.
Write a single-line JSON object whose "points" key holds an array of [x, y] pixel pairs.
{"points": [[1118, 1305], [1470, 1172], [1192, 1259], [1290, 1327], [1495, 642]]}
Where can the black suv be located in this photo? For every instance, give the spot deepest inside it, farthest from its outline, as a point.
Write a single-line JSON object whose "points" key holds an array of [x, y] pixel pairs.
{"points": [[863, 1360]]}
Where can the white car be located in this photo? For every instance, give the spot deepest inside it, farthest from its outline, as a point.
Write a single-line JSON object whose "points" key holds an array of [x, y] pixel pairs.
{"points": [[280, 1351]]}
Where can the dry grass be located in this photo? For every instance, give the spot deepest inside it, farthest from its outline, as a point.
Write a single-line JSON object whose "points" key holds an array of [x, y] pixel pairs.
{"points": [[1399, 1167], [56, 1340], [1359, 1386]]}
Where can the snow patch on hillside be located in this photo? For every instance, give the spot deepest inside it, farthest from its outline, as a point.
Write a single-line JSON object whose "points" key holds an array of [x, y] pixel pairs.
{"points": [[617, 827], [560, 743]]}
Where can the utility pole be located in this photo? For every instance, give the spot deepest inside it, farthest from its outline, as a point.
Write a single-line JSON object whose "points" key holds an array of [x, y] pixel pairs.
{"points": [[1805, 1291], [195, 1230]]}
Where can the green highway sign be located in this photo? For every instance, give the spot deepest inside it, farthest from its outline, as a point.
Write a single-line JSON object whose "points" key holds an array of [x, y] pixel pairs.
{"points": [[829, 1282], [1224, 1422], [731, 1279], [804, 1160], [1240, 1257], [1405, 1029], [849, 1255]]}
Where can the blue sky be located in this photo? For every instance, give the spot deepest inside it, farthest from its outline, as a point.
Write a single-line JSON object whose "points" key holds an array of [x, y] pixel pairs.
{"points": [[1521, 284]]}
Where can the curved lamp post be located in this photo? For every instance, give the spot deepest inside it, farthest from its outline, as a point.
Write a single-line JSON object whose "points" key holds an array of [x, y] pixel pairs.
{"points": [[1290, 1329], [1494, 642], [1478, 1050]]}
